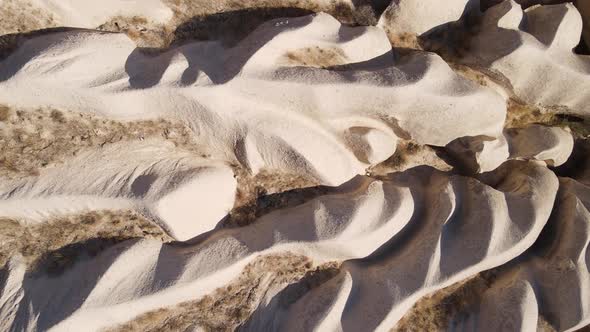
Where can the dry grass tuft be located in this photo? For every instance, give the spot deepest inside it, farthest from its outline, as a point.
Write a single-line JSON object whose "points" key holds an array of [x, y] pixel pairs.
{"points": [[230, 27], [520, 115], [405, 150], [22, 15], [143, 32], [4, 113], [408, 154], [471, 74], [55, 245], [229, 307], [229, 20], [315, 57], [403, 40], [33, 140], [440, 310], [362, 14], [267, 191], [190, 20], [311, 280], [544, 326], [434, 312]]}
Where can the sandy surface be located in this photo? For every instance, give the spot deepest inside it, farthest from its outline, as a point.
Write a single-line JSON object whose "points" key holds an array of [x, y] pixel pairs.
{"points": [[294, 166]]}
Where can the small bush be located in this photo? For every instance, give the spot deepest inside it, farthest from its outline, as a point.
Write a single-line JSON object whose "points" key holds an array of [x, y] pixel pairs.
{"points": [[316, 57], [4, 113]]}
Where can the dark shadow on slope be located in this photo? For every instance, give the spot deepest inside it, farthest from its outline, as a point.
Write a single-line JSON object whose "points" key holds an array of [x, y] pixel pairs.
{"points": [[234, 33], [55, 263], [366, 12], [379, 6], [577, 166], [245, 215], [416, 239], [461, 153], [434, 216], [233, 30], [265, 204], [4, 274], [582, 48], [56, 298], [231, 27], [454, 40], [265, 317], [10, 43], [486, 4]]}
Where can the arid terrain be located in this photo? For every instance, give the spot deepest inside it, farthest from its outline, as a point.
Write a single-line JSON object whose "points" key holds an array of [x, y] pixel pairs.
{"points": [[295, 165]]}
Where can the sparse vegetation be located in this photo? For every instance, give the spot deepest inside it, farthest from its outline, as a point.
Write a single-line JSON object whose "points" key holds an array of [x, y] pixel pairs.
{"points": [[232, 26], [434, 312], [408, 154], [404, 150], [4, 113], [54, 245], [520, 115], [227, 20], [342, 10], [403, 40], [140, 30], [316, 57], [188, 19], [267, 191], [440, 310], [228, 307], [470, 74], [22, 15], [32, 140]]}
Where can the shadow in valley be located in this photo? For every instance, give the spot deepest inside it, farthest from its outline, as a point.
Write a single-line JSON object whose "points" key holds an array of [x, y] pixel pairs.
{"points": [[62, 280]]}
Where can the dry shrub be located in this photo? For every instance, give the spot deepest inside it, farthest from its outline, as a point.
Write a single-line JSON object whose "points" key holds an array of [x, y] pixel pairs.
{"points": [[4, 113], [230, 20], [544, 326], [56, 244], [22, 15], [403, 40], [408, 154], [361, 13], [315, 57], [434, 312], [188, 19], [32, 140], [267, 191], [230, 306], [440, 310], [471, 74], [520, 115], [403, 152], [143, 32]]}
